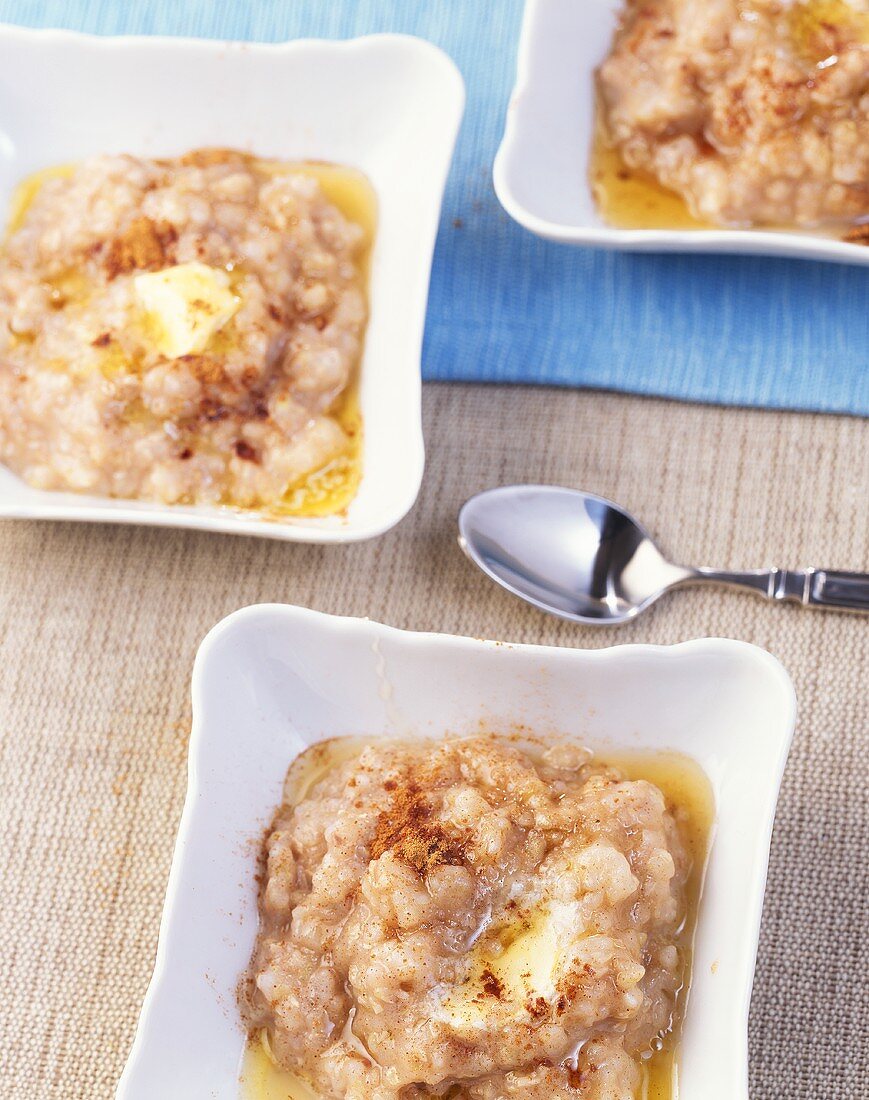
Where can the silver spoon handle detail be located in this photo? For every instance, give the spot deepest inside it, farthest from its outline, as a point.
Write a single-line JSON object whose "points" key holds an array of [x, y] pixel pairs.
{"points": [[810, 587]]}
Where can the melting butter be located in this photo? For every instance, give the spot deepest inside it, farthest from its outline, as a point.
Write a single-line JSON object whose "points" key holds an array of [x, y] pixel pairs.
{"points": [[185, 306], [530, 964], [260, 1078], [534, 951]]}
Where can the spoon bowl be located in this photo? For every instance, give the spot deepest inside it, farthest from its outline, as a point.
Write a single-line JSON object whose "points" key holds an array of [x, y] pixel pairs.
{"points": [[573, 554], [581, 557]]}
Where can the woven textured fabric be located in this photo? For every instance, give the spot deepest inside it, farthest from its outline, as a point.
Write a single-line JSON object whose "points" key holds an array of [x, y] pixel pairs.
{"points": [[99, 627], [508, 307]]}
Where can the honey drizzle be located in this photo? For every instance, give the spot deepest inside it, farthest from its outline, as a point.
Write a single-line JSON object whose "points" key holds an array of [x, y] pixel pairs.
{"points": [[629, 198]]}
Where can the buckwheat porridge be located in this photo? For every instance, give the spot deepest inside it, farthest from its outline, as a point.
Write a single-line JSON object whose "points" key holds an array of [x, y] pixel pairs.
{"points": [[755, 111], [462, 918], [182, 330]]}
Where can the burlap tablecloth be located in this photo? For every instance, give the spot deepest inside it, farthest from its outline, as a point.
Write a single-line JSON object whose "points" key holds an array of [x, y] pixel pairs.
{"points": [[100, 626]]}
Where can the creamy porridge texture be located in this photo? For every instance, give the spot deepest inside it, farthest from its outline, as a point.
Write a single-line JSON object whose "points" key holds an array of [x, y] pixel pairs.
{"points": [[179, 330], [755, 111], [460, 918]]}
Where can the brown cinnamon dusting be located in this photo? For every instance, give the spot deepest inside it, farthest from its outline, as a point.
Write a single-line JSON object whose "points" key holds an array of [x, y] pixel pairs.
{"points": [[858, 235], [211, 409], [144, 245], [210, 155], [407, 830], [244, 451], [205, 368], [492, 985]]}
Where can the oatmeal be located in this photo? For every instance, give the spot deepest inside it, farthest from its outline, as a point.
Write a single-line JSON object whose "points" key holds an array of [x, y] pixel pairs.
{"points": [[756, 112], [461, 915], [182, 330]]}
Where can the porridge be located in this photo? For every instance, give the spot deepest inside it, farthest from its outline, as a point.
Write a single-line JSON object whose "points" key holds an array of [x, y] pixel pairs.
{"points": [[755, 112], [469, 918], [186, 330]]}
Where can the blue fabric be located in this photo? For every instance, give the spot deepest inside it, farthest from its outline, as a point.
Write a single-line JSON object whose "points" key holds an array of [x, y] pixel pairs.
{"points": [[508, 307]]}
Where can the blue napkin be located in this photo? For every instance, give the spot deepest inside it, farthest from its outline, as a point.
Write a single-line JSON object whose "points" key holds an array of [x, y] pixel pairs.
{"points": [[507, 307]]}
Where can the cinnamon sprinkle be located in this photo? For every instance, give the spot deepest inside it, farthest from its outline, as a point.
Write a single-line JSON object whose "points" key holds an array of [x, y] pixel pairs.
{"points": [[858, 235], [142, 246], [211, 155], [492, 984], [407, 829], [244, 451]]}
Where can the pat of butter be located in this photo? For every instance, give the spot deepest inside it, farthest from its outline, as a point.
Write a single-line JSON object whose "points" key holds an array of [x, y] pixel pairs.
{"points": [[526, 970], [185, 306], [529, 966]]}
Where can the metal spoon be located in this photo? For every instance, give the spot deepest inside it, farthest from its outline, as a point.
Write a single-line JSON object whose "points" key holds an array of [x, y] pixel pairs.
{"points": [[581, 557]]}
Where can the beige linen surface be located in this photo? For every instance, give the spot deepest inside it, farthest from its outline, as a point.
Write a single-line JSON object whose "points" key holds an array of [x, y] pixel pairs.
{"points": [[100, 626]]}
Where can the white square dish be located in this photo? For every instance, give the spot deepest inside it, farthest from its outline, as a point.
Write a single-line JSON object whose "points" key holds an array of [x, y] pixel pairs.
{"points": [[271, 680], [542, 167], [389, 105]]}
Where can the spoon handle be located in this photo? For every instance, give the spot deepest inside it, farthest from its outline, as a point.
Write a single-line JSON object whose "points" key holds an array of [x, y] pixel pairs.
{"points": [[810, 587]]}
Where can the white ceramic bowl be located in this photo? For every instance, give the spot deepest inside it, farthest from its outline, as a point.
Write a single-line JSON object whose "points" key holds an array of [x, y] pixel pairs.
{"points": [[389, 105], [271, 680], [541, 170]]}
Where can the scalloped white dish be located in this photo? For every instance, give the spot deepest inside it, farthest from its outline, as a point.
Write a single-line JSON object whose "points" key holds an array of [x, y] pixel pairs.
{"points": [[271, 680], [541, 170], [388, 105]]}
